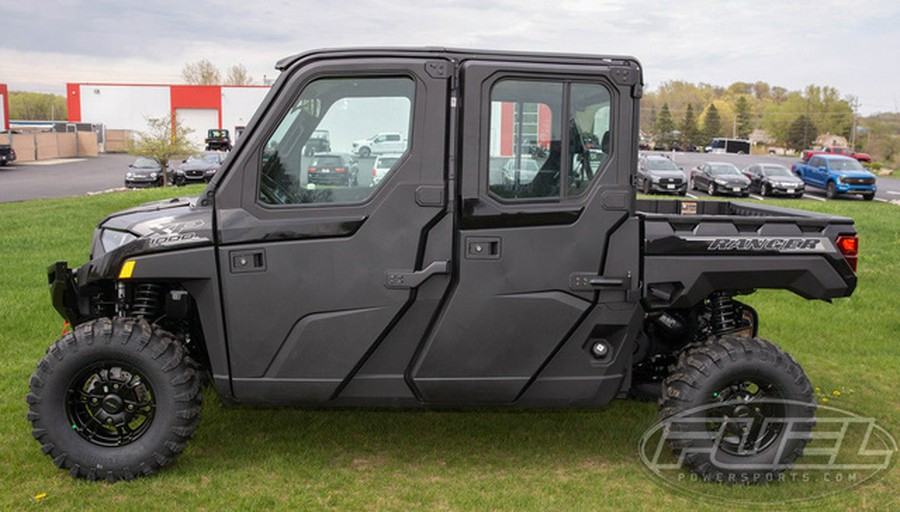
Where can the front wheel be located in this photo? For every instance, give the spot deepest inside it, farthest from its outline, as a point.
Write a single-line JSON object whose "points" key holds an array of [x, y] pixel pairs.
{"points": [[711, 189], [737, 409], [870, 196], [831, 190], [114, 399], [764, 190]]}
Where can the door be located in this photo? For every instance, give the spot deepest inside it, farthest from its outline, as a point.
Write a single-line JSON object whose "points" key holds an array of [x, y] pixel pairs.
{"points": [[527, 248], [316, 275]]}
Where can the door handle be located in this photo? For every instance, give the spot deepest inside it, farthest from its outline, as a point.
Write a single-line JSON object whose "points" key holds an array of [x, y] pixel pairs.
{"points": [[406, 279], [247, 261]]}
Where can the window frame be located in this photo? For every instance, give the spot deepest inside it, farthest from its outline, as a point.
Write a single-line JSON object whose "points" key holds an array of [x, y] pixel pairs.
{"points": [[566, 81], [292, 102]]}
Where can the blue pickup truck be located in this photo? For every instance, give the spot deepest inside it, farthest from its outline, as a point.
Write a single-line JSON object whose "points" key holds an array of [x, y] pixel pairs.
{"points": [[837, 175]]}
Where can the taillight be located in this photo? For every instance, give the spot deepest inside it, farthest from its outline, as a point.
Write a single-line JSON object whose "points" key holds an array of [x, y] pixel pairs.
{"points": [[339, 169], [374, 172], [849, 247], [311, 169]]}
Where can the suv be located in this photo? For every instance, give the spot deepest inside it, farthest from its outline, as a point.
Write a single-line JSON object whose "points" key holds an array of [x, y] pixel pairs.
{"points": [[389, 142], [7, 154], [333, 169], [658, 173], [433, 290], [383, 165]]}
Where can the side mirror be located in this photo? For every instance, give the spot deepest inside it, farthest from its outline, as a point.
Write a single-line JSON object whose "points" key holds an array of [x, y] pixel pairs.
{"points": [[823, 168]]}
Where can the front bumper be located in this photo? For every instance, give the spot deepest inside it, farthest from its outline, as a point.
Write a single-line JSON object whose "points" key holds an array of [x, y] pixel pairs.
{"points": [[669, 188], [328, 178], [64, 292], [787, 191], [731, 190], [845, 188]]}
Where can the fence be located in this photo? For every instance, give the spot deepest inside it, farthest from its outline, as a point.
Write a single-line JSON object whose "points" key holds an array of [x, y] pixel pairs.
{"points": [[48, 145]]}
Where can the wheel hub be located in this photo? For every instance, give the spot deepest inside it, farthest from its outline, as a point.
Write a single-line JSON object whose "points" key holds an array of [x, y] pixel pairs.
{"points": [[113, 404]]}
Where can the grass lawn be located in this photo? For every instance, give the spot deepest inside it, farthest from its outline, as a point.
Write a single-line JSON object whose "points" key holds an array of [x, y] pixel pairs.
{"points": [[255, 459]]}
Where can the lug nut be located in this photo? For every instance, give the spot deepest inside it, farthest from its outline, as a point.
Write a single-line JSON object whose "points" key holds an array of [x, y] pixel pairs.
{"points": [[600, 349]]}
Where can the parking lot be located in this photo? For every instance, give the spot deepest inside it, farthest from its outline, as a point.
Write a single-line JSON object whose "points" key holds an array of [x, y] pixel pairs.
{"points": [[45, 180]]}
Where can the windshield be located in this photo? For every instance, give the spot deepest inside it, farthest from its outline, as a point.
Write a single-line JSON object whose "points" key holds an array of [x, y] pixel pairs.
{"points": [[145, 163], [776, 170], [839, 164], [661, 164], [723, 170]]}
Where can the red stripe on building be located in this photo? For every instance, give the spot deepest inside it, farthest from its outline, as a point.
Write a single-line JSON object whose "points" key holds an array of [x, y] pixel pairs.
{"points": [[73, 102], [507, 117], [545, 125], [5, 94], [196, 96]]}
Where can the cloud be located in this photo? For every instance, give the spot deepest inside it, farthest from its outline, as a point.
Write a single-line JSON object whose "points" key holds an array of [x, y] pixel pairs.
{"points": [[791, 44]]}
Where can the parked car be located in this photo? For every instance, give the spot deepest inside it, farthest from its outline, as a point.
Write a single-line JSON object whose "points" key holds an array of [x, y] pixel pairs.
{"points": [[773, 180], [837, 175], [720, 178], [521, 174], [319, 142], [7, 154], [657, 173], [835, 150], [333, 169], [384, 164], [378, 144], [144, 172], [199, 167]]}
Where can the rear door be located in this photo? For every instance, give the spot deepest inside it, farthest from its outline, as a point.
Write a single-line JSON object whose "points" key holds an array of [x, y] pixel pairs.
{"points": [[527, 250], [316, 275]]}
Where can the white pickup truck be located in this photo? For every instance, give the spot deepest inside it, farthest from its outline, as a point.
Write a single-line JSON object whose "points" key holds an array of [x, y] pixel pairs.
{"points": [[379, 144]]}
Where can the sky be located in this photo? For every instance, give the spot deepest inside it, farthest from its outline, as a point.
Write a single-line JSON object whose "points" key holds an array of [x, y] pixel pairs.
{"points": [[851, 46]]}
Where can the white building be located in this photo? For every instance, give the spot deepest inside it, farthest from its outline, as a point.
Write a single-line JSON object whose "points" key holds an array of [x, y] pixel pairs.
{"points": [[197, 107]]}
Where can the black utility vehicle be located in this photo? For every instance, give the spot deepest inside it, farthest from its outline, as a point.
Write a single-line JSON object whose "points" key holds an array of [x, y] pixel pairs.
{"points": [[319, 142], [333, 169], [218, 140], [442, 286]]}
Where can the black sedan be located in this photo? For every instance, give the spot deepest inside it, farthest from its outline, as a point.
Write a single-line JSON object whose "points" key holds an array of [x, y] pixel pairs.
{"points": [[774, 180], [199, 168], [333, 169], [720, 178], [144, 172], [658, 173]]}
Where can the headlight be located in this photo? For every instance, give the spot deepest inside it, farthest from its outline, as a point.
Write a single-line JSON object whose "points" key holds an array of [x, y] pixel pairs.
{"points": [[721, 182], [129, 175], [154, 175], [114, 239], [654, 179], [840, 179]]}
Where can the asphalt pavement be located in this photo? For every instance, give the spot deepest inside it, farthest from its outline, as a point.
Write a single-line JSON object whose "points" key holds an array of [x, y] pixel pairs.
{"points": [[76, 177]]}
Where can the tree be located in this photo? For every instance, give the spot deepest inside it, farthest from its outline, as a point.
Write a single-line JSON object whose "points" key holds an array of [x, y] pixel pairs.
{"points": [[801, 133], [664, 130], [238, 75], [744, 119], [202, 72], [690, 134], [712, 123], [35, 106], [165, 141]]}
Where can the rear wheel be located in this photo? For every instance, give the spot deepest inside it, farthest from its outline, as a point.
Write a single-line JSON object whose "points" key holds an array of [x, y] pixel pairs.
{"points": [[738, 409], [114, 399]]}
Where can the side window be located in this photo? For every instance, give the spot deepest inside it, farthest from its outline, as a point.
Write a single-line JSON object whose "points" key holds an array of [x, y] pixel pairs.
{"points": [[542, 148], [816, 162], [331, 166]]}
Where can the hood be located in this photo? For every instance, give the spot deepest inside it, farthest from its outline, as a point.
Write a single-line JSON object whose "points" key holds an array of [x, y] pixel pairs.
{"points": [[733, 178], [854, 174], [198, 166], [666, 174], [144, 171], [784, 179], [152, 227]]}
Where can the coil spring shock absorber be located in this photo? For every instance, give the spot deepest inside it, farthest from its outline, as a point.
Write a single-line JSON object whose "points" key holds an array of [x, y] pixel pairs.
{"points": [[147, 303], [722, 309]]}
